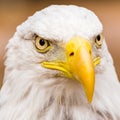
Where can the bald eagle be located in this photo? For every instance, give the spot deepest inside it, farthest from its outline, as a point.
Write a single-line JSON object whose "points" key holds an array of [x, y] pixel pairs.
{"points": [[58, 67]]}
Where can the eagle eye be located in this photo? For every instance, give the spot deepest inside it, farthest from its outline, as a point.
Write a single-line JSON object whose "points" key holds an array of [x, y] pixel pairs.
{"points": [[99, 41], [42, 45]]}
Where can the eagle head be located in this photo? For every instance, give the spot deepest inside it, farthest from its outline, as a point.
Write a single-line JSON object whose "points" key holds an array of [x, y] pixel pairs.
{"points": [[58, 56]]}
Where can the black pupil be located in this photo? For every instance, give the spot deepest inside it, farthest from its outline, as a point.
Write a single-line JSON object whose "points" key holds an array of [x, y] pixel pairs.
{"points": [[98, 37], [42, 42]]}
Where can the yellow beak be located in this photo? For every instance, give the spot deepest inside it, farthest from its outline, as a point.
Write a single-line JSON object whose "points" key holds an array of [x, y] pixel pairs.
{"points": [[79, 64]]}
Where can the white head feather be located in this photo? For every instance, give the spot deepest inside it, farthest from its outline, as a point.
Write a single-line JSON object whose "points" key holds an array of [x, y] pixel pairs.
{"points": [[31, 92]]}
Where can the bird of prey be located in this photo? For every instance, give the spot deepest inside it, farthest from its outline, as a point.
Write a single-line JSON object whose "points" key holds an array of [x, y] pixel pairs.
{"points": [[58, 67]]}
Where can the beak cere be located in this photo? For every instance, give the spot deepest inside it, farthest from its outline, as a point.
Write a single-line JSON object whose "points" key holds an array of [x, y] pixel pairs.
{"points": [[78, 65]]}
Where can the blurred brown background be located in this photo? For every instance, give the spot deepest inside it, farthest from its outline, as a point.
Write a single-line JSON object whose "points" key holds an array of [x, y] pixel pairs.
{"points": [[13, 12]]}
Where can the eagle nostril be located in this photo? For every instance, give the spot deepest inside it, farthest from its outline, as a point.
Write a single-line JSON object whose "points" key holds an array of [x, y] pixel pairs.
{"points": [[90, 52], [71, 54]]}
